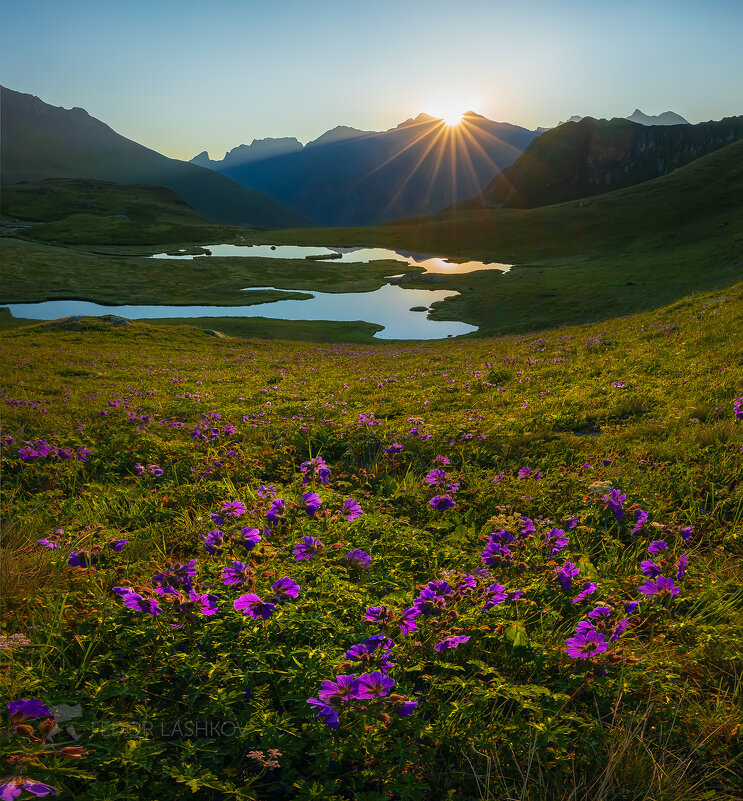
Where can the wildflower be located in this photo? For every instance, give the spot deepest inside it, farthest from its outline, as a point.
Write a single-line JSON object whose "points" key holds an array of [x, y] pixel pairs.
{"points": [[117, 545], [435, 477], [138, 603], [686, 533], [528, 472], [276, 511], [393, 449], [450, 642], [306, 548], [266, 491], [641, 517], [494, 594], [206, 604], [589, 589], [213, 541], [12, 787], [351, 509], [565, 574], [82, 559], [342, 689], [441, 502], [379, 614], [358, 557], [614, 500], [233, 509], [619, 629], [28, 709], [631, 607], [326, 713], [406, 709], [738, 408], [249, 538], [285, 589], [585, 643], [657, 547], [649, 569], [312, 503], [374, 651], [252, 606], [429, 603], [556, 538], [681, 566], [373, 685], [661, 586], [600, 611], [315, 468], [407, 623], [238, 574]]}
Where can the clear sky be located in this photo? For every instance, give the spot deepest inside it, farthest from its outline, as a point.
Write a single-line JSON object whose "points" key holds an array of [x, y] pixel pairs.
{"points": [[182, 76]]}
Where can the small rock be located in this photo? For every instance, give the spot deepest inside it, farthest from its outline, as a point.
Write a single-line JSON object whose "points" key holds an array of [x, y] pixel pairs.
{"points": [[213, 333]]}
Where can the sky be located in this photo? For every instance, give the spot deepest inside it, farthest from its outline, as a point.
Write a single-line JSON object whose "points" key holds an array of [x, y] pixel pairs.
{"points": [[183, 77]]}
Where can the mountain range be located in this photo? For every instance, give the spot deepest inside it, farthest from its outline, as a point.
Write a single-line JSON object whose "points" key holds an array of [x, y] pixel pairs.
{"points": [[352, 177], [666, 118], [42, 141], [590, 157]]}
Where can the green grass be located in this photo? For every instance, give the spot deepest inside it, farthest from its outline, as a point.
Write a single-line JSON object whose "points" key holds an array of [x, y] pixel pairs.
{"points": [[643, 404]]}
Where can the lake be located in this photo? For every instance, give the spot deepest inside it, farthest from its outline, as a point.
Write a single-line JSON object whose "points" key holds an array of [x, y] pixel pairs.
{"points": [[388, 306]]}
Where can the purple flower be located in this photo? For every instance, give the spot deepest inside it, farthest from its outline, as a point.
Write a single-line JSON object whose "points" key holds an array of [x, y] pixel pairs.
{"points": [[619, 629], [494, 594], [556, 539], [238, 574], [358, 557], [565, 574], [407, 622], [306, 548], [661, 586], [213, 541], [585, 643], [681, 566], [276, 511], [12, 787], [614, 501], [233, 509], [436, 477], [686, 533], [441, 502], [249, 538], [738, 408], [631, 607], [374, 651], [28, 709], [206, 604], [82, 559], [351, 509], [406, 709], [373, 685], [312, 503], [600, 611], [393, 449], [429, 603], [528, 472], [252, 606], [657, 547], [342, 689], [650, 569], [496, 554], [379, 614], [325, 713], [589, 589], [315, 468], [138, 603], [450, 642], [527, 528], [49, 543], [285, 589], [641, 517], [572, 522], [117, 545], [266, 492]]}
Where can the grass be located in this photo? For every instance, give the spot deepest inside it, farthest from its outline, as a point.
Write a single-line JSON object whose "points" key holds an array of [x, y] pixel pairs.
{"points": [[642, 404]]}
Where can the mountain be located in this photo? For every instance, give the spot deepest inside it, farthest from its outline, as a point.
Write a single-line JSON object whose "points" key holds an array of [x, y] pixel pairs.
{"points": [[41, 141], [351, 177], [243, 154], [580, 159], [666, 118]]}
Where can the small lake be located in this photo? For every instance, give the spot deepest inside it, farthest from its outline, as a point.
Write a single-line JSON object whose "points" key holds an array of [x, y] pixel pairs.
{"points": [[430, 264], [388, 306]]}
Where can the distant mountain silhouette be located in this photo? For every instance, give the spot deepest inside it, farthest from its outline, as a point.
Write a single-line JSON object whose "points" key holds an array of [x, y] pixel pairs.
{"points": [[351, 177], [243, 154], [42, 141], [666, 118], [580, 159]]}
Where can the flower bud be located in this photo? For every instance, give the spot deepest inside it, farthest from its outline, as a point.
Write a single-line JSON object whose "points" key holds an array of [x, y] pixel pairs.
{"points": [[72, 752]]}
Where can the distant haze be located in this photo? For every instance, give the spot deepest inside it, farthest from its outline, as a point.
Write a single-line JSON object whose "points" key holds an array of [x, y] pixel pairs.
{"points": [[183, 77]]}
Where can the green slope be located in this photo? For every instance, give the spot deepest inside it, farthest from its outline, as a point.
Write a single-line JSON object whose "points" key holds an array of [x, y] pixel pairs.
{"points": [[41, 141]]}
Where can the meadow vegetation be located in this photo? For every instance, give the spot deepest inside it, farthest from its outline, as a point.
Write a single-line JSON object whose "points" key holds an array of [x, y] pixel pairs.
{"points": [[475, 569]]}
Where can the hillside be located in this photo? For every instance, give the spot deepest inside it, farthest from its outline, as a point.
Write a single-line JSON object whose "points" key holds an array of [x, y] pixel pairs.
{"points": [[590, 157], [349, 177], [200, 529], [41, 141]]}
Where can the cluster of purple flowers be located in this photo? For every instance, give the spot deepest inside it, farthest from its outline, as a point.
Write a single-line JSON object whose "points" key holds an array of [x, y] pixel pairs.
{"points": [[501, 545], [614, 502], [657, 584], [153, 470], [41, 449], [315, 469], [88, 558], [251, 605], [738, 408], [437, 478]]}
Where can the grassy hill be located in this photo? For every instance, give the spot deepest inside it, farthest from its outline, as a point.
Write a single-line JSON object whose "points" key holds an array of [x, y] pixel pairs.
{"points": [[41, 141], [605, 452]]}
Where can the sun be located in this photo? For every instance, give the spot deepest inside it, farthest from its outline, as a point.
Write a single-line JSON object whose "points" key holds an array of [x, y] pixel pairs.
{"points": [[452, 118]]}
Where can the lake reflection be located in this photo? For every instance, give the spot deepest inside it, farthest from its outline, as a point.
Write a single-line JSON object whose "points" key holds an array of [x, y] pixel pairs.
{"points": [[430, 264], [388, 306]]}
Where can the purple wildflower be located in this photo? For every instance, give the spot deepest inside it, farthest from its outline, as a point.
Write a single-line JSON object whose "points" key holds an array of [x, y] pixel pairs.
{"points": [[657, 547], [249, 538], [213, 541], [494, 594], [407, 622], [556, 539], [436, 477], [342, 689], [238, 574], [589, 589], [681, 566], [311, 502], [379, 614], [686, 533], [585, 643], [233, 509], [285, 589], [649, 569], [12, 787], [393, 449], [252, 606], [117, 545], [306, 548], [614, 501], [565, 574], [450, 642], [358, 558], [266, 491], [28, 709], [631, 607], [619, 629], [406, 708], [326, 713], [82, 559], [661, 586], [373, 685], [641, 517], [441, 502], [600, 611], [429, 603], [351, 509], [276, 511]]}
